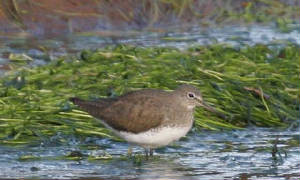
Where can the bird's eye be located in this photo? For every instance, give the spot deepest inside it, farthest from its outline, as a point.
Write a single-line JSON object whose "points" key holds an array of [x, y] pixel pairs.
{"points": [[191, 95]]}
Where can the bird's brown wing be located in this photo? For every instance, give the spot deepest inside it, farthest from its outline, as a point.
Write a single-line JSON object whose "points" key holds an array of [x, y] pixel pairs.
{"points": [[133, 114]]}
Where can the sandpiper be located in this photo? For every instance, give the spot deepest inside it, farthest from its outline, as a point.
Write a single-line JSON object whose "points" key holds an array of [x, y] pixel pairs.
{"points": [[149, 118]]}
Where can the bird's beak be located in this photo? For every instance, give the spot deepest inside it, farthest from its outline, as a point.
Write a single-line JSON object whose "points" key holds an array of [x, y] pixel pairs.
{"points": [[209, 108], [206, 106]]}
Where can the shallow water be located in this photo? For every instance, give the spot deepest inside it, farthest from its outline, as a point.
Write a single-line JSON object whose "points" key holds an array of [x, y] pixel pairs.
{"points": [[44, 50], [205, 155]]}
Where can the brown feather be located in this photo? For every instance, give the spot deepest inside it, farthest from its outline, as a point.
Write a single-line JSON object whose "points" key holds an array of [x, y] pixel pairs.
{"points": [[132, 112]]}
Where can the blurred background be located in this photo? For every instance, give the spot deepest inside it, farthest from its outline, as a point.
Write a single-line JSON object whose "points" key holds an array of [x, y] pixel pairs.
{"points": [[59, 18]]}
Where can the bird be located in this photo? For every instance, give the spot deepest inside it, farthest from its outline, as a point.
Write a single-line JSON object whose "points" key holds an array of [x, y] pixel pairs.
{"points": [[150, 118]]}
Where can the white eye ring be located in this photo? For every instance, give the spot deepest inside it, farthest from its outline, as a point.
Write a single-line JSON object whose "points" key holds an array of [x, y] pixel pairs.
{"points": [[190, 95]]}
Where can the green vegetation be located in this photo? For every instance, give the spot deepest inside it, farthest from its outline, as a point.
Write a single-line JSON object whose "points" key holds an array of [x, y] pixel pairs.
{"points": [[256, 85]]}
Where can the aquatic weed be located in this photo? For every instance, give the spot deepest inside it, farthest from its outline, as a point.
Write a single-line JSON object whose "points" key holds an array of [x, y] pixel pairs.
{"points": [[254, 85]]}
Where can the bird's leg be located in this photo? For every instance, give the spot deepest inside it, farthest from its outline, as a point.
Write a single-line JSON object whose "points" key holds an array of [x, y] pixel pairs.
{"points": [[147, 153], [151, 152], [129, 152]]}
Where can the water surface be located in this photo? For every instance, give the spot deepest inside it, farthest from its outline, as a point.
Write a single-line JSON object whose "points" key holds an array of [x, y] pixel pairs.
{"points": [[201, 155]]}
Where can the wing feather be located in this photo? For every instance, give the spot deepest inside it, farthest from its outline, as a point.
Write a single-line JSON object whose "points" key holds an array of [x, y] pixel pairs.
{"points": [[134, 112]]}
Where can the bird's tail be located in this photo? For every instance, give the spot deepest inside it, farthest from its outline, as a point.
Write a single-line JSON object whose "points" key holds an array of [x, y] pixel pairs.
{"points": [[92, 107], [83, 104], [76, 101]]}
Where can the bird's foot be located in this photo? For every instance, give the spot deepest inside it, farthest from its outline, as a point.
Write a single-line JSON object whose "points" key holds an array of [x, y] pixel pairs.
{"points": [[151, 152]]}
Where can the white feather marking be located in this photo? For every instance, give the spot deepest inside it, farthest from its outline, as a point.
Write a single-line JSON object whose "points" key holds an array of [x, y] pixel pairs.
{"points": [[155, 137]]}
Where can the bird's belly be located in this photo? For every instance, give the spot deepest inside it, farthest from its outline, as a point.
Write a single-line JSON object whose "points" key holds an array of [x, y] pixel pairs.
{"points": [[156, 137]]}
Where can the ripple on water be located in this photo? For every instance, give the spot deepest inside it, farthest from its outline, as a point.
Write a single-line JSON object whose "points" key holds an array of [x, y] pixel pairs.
{"points": [[205, 155]]}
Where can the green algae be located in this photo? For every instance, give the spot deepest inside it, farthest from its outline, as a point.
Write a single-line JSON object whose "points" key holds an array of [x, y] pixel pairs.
{"points": [[256, 85]]}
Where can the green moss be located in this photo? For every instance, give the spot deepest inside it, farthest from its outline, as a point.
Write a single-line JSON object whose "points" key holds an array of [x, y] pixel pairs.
{"points": [[257, 85], [28, 158], [105, 156]]}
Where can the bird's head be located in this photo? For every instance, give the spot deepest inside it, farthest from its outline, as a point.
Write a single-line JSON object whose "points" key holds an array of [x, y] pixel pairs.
{"points": [[192, 97]]}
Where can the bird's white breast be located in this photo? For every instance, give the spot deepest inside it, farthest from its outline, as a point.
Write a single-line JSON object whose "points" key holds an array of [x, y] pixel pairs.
{"points": [[154, 138]]}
